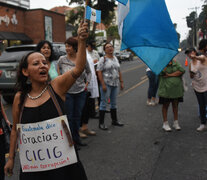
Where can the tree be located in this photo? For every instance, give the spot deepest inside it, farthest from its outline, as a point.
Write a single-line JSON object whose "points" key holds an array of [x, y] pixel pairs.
{"points": [[107, 14], [178, 34], [112, 33], [107, 10], [202, 20], [74, 17], [192, 22], [191, 19], [106, 7], [196, 24]]}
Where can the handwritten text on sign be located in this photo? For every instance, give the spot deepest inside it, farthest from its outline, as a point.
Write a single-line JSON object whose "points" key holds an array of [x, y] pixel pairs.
{"points": [[44, 146]]}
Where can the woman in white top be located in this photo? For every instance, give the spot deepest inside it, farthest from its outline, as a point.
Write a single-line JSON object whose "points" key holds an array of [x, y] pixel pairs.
{"points": [[89, 107], [198, 73]]}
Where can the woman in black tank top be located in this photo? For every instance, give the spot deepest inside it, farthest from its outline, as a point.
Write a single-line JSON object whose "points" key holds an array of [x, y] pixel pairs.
{"points": [[32, 103]]}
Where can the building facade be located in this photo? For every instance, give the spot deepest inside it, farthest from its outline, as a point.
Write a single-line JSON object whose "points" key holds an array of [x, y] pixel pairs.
{"points": [[19, 25], [64, 10], [20, 3]]}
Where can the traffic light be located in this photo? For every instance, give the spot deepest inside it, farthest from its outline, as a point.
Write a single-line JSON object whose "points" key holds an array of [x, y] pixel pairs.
{"points": [[190, 21]]}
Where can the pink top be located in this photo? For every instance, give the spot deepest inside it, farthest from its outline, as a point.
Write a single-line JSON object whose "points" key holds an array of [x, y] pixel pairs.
{"points": [[199, 81]]}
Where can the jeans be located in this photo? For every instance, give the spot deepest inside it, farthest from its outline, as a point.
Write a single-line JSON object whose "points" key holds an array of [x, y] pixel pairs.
{"points": [[74, 106], [202, 101], [86, 110], [153, 84], [112, 92]]}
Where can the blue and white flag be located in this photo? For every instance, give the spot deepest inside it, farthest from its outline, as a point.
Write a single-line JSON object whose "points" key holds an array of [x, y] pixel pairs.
{"points": [[93, 14], [145, 27], [123, 1]]}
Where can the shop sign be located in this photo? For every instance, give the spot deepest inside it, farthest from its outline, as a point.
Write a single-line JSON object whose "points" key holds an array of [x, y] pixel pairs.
{"points": [[7, 20]]}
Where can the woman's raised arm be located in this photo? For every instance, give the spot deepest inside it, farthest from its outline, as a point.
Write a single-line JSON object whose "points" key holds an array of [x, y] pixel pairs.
{"points": [[201, 58]]}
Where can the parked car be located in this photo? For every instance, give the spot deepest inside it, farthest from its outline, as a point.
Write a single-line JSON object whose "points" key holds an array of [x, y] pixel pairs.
{"points": [[117, 54], [9, 61], [124, 55]]}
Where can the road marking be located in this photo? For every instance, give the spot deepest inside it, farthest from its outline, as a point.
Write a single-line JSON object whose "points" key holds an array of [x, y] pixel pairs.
{"points": [[136, 67], [133, 87], [143, 77], [128, 90]]}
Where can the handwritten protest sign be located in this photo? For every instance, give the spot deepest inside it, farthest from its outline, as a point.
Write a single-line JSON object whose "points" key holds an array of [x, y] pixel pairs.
{"points": [[44, 146]]}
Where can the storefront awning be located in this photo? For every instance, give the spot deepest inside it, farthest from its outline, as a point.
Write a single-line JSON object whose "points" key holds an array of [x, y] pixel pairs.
{"points": [[14, 36]]}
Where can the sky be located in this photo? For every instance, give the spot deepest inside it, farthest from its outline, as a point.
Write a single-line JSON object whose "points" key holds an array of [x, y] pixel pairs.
{"points": [[178, 10]]}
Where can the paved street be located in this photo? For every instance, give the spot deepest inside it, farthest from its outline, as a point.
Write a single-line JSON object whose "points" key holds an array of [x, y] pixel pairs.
{"points": [[141, 150]]}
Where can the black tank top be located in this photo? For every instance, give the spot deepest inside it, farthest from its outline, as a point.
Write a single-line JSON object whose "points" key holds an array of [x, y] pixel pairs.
{"points": [[43, 112]]}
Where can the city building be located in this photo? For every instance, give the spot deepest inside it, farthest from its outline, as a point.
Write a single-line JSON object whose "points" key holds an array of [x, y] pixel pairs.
{"points": [[19, 25], [19, 3], [64, 10]]}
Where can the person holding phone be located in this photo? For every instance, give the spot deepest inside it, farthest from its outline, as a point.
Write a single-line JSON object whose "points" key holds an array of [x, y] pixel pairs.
{"points": [[198, 74]]}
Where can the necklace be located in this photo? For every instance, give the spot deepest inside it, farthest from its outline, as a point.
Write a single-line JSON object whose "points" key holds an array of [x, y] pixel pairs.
{"points": [[38, 96]]}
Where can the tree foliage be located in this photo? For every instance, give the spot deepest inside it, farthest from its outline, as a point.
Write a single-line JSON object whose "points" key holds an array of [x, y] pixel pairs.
{"points": [[197, 22], [106, 7], [191, 19], [74, 17], [107, 15], [178, 34], [112, 32], [202, 24]]}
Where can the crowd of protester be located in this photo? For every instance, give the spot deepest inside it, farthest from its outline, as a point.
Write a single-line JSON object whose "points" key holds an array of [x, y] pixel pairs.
{"points": [[170, 86], [70, 87], [80, 80]]}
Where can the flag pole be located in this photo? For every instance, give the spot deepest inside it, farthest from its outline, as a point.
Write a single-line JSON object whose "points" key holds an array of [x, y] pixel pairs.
{"points": [[86, 4], [84, 19]]}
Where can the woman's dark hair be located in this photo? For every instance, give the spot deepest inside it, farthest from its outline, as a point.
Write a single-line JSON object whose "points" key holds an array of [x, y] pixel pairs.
{"points": [[104, 46], [187, 51], [92, 44], [41, 44], [72, 42], [202, 44], [22, 84]]}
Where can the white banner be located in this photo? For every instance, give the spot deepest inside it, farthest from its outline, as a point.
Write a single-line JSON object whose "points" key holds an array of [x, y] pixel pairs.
{"points": [[44, 146]]}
